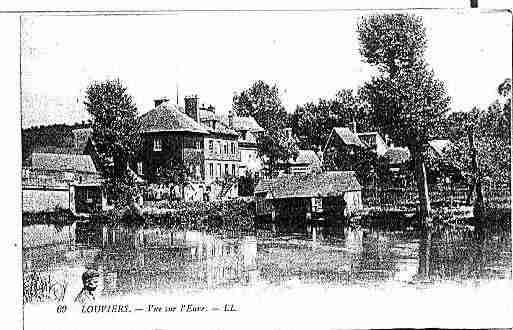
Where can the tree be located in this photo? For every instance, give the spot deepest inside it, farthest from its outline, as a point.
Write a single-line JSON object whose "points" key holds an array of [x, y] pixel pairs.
{"points": [[392, 41], [263, 102], [492, 140], [274, 147], [313, 122], [115, 133], [407, 101]]}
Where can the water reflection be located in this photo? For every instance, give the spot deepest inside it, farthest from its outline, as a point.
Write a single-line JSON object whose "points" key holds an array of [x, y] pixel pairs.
{"points": [[141, 260]]}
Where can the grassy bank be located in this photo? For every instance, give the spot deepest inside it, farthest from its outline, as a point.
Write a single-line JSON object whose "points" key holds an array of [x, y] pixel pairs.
{"points": [[231, 216]]}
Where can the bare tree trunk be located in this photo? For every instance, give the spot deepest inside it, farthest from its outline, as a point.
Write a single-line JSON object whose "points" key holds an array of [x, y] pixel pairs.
{"points": [[478, 201], [422, 187]]}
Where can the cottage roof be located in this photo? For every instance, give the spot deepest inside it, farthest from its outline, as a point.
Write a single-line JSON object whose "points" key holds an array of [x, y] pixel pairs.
{"points": [[324, 184], [306, 157], [371, 139], [347, 136], [241, 123], [396, 155], [169, 117], [441, 146], [62, 162]]}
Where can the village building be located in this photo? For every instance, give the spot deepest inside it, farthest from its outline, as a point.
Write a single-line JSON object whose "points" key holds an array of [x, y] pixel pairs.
{"points": [[306, 161], [294, 200], [189, 139], [61, 181], [374, 142], [439, 167], [222, 155], [342, 149], [249, 131], [396, 165]]}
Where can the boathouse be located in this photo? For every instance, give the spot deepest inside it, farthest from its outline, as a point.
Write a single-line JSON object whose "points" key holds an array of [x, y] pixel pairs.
{"points": [[296, 199]]}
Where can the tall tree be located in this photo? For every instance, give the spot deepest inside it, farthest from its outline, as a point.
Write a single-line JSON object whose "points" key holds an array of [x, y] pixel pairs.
{"points": [[492, 139], [407, 100], [313, 122], [115, 133], [263, 102]]}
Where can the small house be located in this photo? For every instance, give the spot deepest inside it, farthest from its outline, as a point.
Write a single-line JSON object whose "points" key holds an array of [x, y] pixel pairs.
{"points": [[343, 149], [296, 199], [374, 142], [61, 181], [306, 161]]}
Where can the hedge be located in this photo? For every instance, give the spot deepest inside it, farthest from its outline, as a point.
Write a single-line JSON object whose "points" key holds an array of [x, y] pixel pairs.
{"points": [[231, 216]]}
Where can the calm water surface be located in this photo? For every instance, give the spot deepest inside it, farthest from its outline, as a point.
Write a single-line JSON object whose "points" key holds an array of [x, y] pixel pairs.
{"points": [[140, 261]]}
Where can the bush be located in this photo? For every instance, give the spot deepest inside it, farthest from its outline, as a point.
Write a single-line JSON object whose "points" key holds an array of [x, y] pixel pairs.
{"points": [[232, 216], [58, 217]]}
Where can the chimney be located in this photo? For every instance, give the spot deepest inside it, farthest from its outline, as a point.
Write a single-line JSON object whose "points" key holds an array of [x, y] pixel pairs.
{"points": [[473, 4], [387, 140], [191, 107], [230, 118], [160, 101], [353, 123], [211, 108]]}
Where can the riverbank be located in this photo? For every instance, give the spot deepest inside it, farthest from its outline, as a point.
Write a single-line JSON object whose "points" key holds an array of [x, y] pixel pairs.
{"points": [[236, 217]]}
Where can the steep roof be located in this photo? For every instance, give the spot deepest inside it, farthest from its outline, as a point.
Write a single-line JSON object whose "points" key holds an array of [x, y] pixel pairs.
{"points": [[306, 157], [396, 155], [62, 162], [241, 123], [324, 184], [169, 117], [441, 146], [347, 136], [370, 138]]}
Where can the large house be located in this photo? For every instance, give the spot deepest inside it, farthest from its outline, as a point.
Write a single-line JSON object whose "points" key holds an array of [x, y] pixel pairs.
{"points": [[191, 139]]}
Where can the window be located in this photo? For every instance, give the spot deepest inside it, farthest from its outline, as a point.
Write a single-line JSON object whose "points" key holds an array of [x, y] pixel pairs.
{"points": [[157, 144], [219, 173], [218, 147], [226, 169], [88, 195], [210, 145], [139, 168], [233, 169], [226, 147], [211, 169], [233, 148]]}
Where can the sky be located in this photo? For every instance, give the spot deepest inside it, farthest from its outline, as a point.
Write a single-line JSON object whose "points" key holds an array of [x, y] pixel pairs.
{"points": [[309, 55]]}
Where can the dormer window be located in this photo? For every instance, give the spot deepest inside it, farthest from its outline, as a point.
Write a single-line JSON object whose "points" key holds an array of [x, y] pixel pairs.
{"points": [[157, 144]]}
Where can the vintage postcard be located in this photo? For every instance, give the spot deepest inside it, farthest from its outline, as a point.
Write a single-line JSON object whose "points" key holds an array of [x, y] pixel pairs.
{"points": [[286, 169]]}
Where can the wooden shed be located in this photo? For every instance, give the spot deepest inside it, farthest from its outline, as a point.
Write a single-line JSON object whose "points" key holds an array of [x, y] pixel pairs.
{"points": [[297, 199]]}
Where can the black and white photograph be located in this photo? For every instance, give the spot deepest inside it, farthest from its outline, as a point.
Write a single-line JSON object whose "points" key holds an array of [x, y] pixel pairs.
{"points": [[266, 169]]}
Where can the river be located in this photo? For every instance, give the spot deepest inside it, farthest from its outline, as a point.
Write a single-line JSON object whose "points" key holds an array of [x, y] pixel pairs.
{"points": [[142, 261]]}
